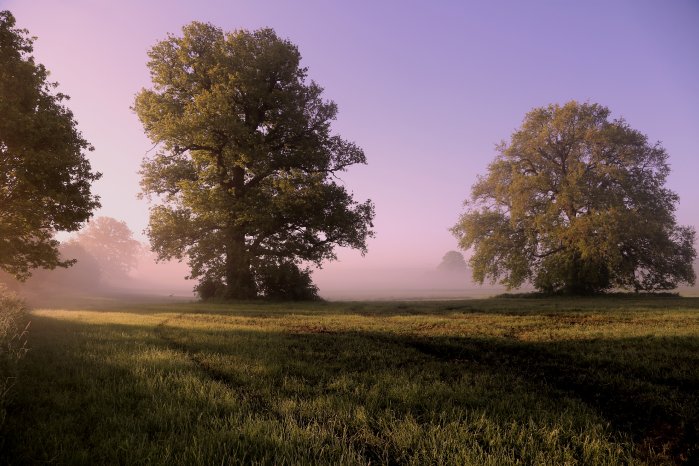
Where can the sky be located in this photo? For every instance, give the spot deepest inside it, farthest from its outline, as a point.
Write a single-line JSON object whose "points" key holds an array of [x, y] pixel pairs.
{"points": [[425, 88]]}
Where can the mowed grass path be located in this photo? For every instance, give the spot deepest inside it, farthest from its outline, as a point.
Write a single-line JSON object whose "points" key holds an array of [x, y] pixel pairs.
{"points": [[496, 381]]}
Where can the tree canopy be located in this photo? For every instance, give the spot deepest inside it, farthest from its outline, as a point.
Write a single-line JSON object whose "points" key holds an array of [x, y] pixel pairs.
{"points": [[453, 261], [45, 178], [245, 175], [110, 242], [577, 203]]}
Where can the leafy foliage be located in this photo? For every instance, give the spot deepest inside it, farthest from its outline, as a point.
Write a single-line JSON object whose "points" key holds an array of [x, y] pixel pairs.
{"points": [[577, 203], [453, 261], [246, 170], [45, 177], [209, 288], [286, 281], [111, 243]]}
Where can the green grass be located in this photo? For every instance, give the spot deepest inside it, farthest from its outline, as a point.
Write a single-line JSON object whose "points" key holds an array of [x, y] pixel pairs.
{"points": [[13, 339], [496, 381]]}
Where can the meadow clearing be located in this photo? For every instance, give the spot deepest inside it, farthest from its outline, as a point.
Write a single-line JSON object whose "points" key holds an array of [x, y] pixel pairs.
{"points": [[603, 380]]}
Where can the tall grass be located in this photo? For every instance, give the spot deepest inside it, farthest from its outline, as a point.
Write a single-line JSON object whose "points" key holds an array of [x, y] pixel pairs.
{"points": [[14, 326]]}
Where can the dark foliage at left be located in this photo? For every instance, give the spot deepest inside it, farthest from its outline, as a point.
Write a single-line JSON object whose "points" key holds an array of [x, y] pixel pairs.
{"points": [[45, 177]]}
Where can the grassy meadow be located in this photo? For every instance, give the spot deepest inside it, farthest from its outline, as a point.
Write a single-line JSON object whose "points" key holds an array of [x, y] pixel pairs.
{"points": [[497, 381]]}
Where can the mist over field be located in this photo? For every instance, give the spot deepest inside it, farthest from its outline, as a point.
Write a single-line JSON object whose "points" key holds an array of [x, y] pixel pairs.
{"points": [[335, 280], [111, 263], [151, 276], [347, 283]]}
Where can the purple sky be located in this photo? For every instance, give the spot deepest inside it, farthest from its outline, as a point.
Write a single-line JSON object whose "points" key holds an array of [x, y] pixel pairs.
{"points": [[427, 89]]}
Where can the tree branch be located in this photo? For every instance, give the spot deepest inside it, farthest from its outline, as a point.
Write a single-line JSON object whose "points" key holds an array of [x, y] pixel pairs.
{"points": [[549, 253]]}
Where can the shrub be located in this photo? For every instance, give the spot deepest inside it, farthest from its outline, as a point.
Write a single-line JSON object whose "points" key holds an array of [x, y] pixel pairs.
{"points": [[274, 280], [209, 288], [286, 281]]}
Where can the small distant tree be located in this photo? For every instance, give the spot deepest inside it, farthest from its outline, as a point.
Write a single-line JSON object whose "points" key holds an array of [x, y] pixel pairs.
{"points": [[577, 203], [45, 177], [453, 261], [110, 242]]}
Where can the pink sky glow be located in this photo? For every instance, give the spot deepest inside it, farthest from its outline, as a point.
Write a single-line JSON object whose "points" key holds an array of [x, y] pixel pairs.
{"points": [[425, 88]]}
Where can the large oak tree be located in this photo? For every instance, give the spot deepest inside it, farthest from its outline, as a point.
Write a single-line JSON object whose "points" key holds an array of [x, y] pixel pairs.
{"points": [[577, 203], [245, 171], [45, 178]]}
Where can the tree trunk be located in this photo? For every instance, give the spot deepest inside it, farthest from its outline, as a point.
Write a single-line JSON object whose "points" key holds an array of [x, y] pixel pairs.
{"points": [[574, 283], [239, 280], [586, 276]]}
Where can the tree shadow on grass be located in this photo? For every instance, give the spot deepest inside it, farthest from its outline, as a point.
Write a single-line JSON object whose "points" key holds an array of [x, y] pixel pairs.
{"points": [[644, 387], [661, 412], [74, 404]]}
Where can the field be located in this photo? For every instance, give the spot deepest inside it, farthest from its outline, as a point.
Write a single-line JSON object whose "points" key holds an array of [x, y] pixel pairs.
{"points": [[609, 380]]}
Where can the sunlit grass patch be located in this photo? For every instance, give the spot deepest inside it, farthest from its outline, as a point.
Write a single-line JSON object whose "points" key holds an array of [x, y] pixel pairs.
{"points": [[474, 382], [103, 317]]}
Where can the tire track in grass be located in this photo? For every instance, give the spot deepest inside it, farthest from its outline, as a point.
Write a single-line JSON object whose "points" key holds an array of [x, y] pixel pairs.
{"points": [[255, 400]]}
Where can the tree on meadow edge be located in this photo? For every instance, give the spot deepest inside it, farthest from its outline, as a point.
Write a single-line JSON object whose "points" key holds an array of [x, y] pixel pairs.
{"points": [[45, 177], [577, 203], [245, 174], [110, 242], [453, 261]]}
